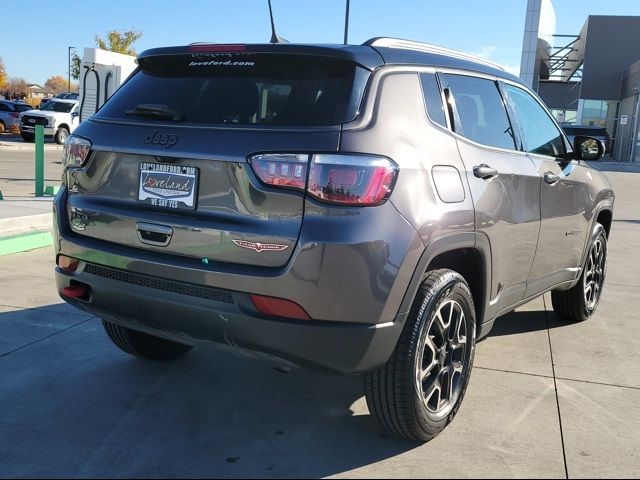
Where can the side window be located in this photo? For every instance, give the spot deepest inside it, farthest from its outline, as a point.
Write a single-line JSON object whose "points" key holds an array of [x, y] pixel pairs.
{"points": [[482, 113], [541, 135], [433, 99], [4, 108]]}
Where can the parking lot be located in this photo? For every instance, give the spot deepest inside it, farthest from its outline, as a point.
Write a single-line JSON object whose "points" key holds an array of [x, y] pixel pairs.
{"points": [[547, 399]]}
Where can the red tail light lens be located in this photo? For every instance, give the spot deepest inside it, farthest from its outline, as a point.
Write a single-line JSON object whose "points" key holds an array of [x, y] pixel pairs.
{"points": [[14, 114], [352, 179], [75, 151], [359, 180], [282, 170], [279, 307]]}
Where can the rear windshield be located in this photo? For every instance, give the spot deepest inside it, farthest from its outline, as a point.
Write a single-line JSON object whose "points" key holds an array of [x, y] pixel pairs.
{"points": [[244, 89]]}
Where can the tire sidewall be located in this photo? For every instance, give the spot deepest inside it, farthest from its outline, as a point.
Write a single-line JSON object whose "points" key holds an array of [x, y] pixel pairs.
{"points": [[598, 232], [455, 288], [61, 135]]}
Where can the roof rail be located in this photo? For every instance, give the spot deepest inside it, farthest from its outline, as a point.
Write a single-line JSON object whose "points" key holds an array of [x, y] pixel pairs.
{"points": [[428, 48]]}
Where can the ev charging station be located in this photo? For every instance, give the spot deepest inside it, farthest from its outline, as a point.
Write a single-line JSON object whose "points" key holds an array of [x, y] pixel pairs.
{"points": [[101, 73]]}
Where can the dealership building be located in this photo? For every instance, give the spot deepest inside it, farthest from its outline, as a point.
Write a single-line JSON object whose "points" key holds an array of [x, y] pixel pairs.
{"points": [[587, 78]]}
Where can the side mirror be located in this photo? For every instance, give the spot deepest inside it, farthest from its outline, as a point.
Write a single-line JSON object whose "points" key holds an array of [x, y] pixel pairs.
{"points": [[75, 114], [587, 148]]}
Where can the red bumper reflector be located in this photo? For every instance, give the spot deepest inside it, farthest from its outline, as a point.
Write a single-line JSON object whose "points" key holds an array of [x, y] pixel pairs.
{"points": [[75, 291], [279, 307], [67, 264]]}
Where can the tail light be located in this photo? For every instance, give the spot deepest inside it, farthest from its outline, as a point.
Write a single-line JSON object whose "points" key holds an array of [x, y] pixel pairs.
{"points": [[344, 179], [75, 151], [281, 170], [14, 114]]}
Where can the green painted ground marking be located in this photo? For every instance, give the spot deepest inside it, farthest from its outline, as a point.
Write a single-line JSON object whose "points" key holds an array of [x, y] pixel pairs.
{"points": [[24, 242], [51, 190]]}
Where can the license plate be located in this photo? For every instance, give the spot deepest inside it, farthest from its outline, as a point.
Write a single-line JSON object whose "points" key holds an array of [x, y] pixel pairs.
{"points": [[168, 186]]}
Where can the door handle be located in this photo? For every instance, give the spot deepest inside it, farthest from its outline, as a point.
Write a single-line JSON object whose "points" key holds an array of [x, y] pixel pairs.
{"points": [[551, 178], [152, 234], [485, 171]]}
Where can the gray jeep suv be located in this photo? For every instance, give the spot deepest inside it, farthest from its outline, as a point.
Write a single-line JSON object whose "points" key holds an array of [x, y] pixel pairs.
{"points": [[365, 209]]}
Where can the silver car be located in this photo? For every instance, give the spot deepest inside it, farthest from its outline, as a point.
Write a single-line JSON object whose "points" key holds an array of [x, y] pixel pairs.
{"points": [[10, 114]]}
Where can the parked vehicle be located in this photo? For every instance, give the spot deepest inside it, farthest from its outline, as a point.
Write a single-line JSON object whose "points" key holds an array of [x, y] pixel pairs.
{"points": [[599, 133], [10, 114], [362, 209], [63, 96], [59, 117]]}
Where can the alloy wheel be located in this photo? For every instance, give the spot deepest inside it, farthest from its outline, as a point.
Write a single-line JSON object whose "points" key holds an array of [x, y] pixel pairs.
{"points": [[594, 274], [440, 365]]}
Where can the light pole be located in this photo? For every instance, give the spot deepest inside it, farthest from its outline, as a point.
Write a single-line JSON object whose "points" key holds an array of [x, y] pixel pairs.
{"points": [[69, 71]]}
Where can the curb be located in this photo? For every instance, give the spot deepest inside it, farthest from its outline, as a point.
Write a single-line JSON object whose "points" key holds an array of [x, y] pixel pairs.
{"points": [[25, 242], [27, 148], [11, 227]]}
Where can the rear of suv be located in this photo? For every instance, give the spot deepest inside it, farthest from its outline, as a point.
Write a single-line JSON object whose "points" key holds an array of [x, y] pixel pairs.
{"points": [[360, 209]]}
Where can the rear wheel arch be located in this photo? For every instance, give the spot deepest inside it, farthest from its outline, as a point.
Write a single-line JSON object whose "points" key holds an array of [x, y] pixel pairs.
{"points": [[468, 254], [604, 218]]}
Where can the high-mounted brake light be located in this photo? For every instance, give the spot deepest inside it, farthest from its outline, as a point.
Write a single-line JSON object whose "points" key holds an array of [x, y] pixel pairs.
{"points": [[344, 179], [281, 169], [75, 151], [216, 47], [362, 180]]}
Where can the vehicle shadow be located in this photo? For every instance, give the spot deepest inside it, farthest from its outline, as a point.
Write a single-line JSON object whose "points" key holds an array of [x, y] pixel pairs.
{"points": [[74, 405], [519, 322]]}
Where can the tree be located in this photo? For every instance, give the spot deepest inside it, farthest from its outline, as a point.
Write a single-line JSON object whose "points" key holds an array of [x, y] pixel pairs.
{"points": [[3, 76], [76, 63], [119, 41], [56, 84], [17, 87]]}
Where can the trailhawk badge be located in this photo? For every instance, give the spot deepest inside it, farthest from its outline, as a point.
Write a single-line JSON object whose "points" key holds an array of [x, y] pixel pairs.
{"points": [[260, 247]]}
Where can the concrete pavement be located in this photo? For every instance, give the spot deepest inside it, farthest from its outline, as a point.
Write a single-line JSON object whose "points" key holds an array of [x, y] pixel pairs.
{"points": [[546, 398]]}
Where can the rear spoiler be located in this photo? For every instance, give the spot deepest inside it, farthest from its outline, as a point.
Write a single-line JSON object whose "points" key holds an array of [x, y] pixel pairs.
{"points": [[362, 55]]}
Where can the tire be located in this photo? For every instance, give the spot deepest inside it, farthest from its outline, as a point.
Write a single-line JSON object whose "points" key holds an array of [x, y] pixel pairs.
{"points": [[27, 137], [61, 135], [143, 345], [580, 302], [394, 393]]}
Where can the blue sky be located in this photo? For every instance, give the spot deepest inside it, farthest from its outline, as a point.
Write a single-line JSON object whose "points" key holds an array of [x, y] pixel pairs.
{"points": [[491, 28]]}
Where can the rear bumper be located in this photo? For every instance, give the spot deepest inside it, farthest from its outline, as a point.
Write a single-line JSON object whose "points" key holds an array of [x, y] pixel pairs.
{"points": [[352, 286], [338, 347]]}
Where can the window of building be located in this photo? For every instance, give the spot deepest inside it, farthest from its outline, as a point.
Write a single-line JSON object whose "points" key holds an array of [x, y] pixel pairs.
{"points": [[483, 117]]}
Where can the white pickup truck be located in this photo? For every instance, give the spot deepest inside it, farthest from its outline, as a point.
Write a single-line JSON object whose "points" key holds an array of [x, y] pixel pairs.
{"points": [[59, 118]]}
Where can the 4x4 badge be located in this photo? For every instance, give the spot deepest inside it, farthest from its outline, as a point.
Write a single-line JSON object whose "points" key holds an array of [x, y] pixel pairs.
{"points": [[260, 247]]}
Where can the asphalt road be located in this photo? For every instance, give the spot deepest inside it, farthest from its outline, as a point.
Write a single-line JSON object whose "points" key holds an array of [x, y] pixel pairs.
{"points": [[17, 167], [546, 398]]}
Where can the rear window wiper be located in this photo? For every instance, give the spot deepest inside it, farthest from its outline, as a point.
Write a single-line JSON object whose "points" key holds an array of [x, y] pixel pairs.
{"points": [[156, 111]]}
